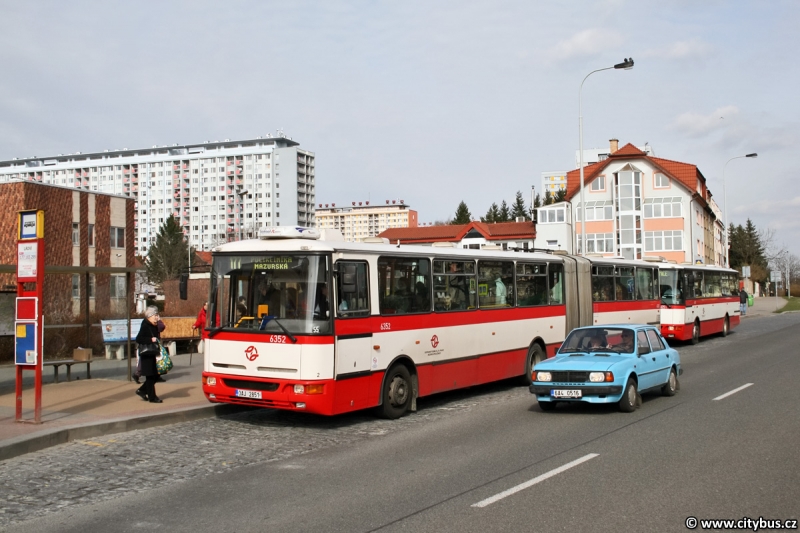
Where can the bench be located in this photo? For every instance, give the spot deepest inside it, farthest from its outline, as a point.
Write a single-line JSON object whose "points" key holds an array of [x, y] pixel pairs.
{"points": [[115, 333], [68, 363]]}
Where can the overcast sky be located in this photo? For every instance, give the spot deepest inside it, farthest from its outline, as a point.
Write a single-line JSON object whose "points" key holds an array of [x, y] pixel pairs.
{"points": [[429, 102]]}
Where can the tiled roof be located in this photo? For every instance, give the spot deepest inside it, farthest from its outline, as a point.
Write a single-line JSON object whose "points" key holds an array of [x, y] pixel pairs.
{"points": [[456, 232], [205, 257], [685, 173]]}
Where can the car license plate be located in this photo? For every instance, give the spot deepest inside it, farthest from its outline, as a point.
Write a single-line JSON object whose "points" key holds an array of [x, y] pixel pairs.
{"points": [[556, 393], [248, 394]]}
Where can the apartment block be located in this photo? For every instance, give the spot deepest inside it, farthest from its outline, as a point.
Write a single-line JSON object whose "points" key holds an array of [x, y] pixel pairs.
{"points": [[361, 220], [219, 191]]}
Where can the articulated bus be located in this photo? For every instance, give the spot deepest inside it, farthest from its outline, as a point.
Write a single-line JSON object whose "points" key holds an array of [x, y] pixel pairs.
{"points": [[327, 326], [697, 300]]}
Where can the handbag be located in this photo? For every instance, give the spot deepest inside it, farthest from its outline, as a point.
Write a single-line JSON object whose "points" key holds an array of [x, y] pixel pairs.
{"points": [[148, 348], [163, 360]]}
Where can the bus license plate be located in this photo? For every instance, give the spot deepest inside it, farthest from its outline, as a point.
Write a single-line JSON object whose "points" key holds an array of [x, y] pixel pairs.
{"points": [[248, 394], [565, 393]]}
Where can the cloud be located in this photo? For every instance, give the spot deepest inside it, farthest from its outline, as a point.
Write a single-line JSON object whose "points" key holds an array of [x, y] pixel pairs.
{"points": [[586, 43], [691, 48], [697, 125]]}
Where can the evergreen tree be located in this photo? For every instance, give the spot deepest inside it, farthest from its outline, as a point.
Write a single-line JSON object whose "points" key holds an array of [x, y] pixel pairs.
{"points": [[463, 216], [169, 253], [537, 203], [504, 215], [560, 196], [747, 249], [492, 215], [518, 208], [548, 198]]}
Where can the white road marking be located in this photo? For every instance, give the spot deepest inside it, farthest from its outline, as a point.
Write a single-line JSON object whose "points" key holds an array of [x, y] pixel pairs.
{"points": [[534, 481], [734, 391]]}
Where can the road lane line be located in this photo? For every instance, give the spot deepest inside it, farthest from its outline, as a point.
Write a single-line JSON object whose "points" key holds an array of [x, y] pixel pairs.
{"points": [[734, 391], [534, 481]]}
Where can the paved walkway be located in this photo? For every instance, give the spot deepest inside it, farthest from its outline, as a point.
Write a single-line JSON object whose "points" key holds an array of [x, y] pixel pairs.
{"points": [[107, 403], [764, 306]]}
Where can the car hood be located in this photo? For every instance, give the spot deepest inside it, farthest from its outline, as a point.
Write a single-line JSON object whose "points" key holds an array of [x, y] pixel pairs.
{"points": [[582, 362]]}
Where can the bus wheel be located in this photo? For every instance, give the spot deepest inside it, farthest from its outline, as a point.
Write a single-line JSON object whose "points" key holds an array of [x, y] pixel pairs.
{"points": [[397, 392], [726, 327], [696, 333], [535, 355]]}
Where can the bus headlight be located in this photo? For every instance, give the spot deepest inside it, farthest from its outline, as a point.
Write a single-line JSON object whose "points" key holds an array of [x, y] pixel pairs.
{"points": [[544, 376], [299, 389], [210, 381]]}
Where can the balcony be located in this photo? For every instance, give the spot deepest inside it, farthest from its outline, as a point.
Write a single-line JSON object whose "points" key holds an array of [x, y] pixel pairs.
{"points": [[239, 162], [230, 173], [176, 167]]}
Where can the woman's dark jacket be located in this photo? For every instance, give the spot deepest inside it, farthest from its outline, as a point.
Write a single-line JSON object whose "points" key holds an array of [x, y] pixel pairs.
{"points": [[146, 332]]}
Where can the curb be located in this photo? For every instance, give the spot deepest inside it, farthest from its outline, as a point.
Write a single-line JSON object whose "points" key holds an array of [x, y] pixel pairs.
{"points": [[45, 439]]}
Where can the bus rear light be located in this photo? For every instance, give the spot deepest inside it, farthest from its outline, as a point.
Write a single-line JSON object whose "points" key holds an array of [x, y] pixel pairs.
{"points": [[210, 381]]}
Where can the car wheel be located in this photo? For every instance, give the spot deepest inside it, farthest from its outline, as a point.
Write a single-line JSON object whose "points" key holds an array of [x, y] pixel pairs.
{"points": [[726, 327], [547, 406], [535, 355], [696, 333], [671, 385], [627, 403], [397, 392]]}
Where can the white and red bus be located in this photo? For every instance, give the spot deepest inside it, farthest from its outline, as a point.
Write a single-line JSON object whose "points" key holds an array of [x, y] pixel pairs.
{"points": [[327, 326], [697, 300]]}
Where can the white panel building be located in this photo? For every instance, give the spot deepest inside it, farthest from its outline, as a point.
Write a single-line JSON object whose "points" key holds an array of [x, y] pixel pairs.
{"points": [[219, 191]]}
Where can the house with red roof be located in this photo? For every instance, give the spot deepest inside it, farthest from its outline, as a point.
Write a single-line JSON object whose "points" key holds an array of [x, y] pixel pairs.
{"points": [[475, 235], [639, 205]]}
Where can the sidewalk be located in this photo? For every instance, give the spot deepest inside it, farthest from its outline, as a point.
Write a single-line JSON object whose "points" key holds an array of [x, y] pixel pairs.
{"points": [[105, 404], [764, 306]]}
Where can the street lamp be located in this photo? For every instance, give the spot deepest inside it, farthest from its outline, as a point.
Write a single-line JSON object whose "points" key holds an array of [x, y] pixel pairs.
{"points": [[626, 64], [241, 194], [725, 210]]}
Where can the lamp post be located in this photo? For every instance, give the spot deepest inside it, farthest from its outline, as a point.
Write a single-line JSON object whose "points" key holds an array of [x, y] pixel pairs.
{"points": [[241, 194], [626, 64], [725, 210]]}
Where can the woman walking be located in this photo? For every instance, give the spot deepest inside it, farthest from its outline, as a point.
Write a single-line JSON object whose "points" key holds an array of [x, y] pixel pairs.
{"points": [[148, 339]]}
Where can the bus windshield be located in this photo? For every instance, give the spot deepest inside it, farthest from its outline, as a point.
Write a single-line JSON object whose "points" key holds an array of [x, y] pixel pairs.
{"points": [[671, 287], [271, 293]]}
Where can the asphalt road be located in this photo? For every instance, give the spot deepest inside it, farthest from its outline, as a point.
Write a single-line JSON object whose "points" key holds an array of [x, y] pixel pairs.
{"points": [[487, 460]]}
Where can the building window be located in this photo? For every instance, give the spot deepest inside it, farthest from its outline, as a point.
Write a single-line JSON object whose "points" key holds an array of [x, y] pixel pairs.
{"points": [[117, 237], [660, 181], [91, 234], [117, 286], [597, 243], [599, 184], [662, 207], [91, 285], [663, 241], [76, 236], [76, 286], [599, 210]]}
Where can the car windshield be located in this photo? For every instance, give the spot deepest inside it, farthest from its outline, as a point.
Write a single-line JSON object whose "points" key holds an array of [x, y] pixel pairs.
{"points": [[607, 340], [271, 293]]}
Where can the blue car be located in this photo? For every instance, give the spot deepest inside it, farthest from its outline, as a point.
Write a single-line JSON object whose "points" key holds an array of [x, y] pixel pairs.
{"points": [[607, 364]]}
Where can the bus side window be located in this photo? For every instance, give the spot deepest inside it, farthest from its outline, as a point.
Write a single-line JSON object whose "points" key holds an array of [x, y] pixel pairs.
{"points": [[352, 289], [555, 277]]}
